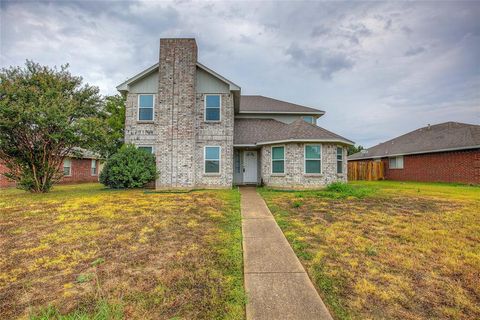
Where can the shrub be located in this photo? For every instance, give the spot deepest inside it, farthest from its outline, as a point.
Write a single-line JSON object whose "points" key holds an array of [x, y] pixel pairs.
{"points": [[129, 168]]}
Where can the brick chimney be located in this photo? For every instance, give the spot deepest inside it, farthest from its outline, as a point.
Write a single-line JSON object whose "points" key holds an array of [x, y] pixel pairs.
{"points": [[176, 113]]}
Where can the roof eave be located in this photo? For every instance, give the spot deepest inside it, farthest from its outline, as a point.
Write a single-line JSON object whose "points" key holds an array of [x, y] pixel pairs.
{"points": [[320, 113], [417, 152], [344, 141], [233, 86], [124, 86]]}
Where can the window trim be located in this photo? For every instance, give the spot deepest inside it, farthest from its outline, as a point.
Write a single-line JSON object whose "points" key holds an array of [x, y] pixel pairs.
{"points": [[284, 161], [342, 160], [219, 161], [305, 159], [313, 119], [92, 161], [205, 107], [148, 146], [70, 167], [138, 107], [396, 168]]}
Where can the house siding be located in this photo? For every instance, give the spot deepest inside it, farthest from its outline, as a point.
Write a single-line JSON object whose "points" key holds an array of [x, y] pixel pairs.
{"points": [[294, 176], [455, 166]]}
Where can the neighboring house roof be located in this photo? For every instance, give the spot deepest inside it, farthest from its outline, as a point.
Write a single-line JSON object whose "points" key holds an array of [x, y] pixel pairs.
{"points": [[261, 104], [83, 154], [448, 136], [124, 86], [252, 132]]}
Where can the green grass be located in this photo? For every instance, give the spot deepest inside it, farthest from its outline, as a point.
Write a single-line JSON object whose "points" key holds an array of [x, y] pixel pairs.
{"points": [[86, 252], [387, 250], [103, 311]]}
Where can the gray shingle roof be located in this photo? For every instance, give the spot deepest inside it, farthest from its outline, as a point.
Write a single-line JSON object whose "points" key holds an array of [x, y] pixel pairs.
{"points": [[439, 137], [265, 104], [265, 131]]}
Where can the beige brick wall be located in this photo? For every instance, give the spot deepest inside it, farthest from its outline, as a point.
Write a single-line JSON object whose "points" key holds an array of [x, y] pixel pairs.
{"points": [[294, 176], [215, 134], [179, 132]]}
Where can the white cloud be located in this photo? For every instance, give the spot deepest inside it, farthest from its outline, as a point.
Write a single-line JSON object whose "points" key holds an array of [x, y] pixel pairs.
{"points": [[377, 69]]}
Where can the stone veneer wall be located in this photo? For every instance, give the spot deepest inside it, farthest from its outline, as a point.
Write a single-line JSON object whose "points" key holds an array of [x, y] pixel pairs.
{"points": [[294, 176], [215, 134]]}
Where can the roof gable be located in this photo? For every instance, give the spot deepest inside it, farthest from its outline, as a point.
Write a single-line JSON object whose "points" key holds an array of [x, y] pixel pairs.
{"points": [[125, 86], [440, 137]]}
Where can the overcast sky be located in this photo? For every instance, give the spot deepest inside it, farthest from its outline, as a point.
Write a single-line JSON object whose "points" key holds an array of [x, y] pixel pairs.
{"points": [[378, 69]]}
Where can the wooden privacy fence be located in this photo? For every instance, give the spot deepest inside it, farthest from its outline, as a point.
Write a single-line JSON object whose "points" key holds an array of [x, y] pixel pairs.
{"points": [[366, 170]]}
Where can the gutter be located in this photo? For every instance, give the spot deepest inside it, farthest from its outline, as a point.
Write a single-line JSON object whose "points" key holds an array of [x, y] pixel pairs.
{"points": [[417, 152], [348, 142]]}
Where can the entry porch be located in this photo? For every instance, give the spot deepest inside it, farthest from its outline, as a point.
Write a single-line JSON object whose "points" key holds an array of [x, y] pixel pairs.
{"points": [[247, 166]]}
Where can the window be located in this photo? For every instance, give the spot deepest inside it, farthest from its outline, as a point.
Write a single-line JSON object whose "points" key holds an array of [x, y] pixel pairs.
{"points": [[339, 160], [237, 162], [313, 161], [309, 119], [395, 162], [278, 159], [148, 149], [212, 159], [67, 167], [93, 167], [145, 107], [212, 107]]}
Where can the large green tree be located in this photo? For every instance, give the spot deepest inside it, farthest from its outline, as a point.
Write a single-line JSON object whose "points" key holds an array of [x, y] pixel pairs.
{"points": [[45, 113], [354, 149], [111, 139]]}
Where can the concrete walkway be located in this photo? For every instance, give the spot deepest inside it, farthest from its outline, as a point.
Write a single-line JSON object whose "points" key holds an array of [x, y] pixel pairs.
{"points": [[276, 283]]}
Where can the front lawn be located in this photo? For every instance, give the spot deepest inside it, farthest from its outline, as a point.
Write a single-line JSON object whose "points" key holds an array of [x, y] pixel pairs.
{"points": [[387, 250], [86, 251]]}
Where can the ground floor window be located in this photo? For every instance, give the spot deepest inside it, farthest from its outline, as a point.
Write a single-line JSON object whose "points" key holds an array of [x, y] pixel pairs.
{"points": [[339, 160], [395, 162], [212, 159], [313, 158], [93, 167], [67, 167], [278, 159], [148, 149]]}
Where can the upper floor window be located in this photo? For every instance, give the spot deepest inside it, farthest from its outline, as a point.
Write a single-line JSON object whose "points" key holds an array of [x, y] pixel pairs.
{"points": [[395, 162], [313, 158], [212, 159], [93, 167], [67, 167], [145, 107], [148, 149], [309, 119], [339, 160], [278, 159], [212, 107]]}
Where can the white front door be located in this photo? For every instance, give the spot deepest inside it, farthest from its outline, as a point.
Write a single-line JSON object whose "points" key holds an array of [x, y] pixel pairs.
{"points": [[250, 167]]}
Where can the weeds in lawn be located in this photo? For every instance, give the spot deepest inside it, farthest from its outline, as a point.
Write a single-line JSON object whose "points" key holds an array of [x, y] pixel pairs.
{"points": [[103, 311], [83, 249], [388, 250]]}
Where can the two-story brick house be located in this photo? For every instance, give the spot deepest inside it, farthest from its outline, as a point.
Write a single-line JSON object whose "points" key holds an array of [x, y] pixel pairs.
{"points": [[204, 133]]}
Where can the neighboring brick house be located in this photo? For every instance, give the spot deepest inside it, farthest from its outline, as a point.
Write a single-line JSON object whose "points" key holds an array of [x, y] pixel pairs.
{"points": [[76, 169], [204, 133], [446, 152]]}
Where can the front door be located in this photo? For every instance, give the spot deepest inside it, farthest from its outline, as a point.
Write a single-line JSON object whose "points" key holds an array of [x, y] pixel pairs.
{"points": [[250, 167]]}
